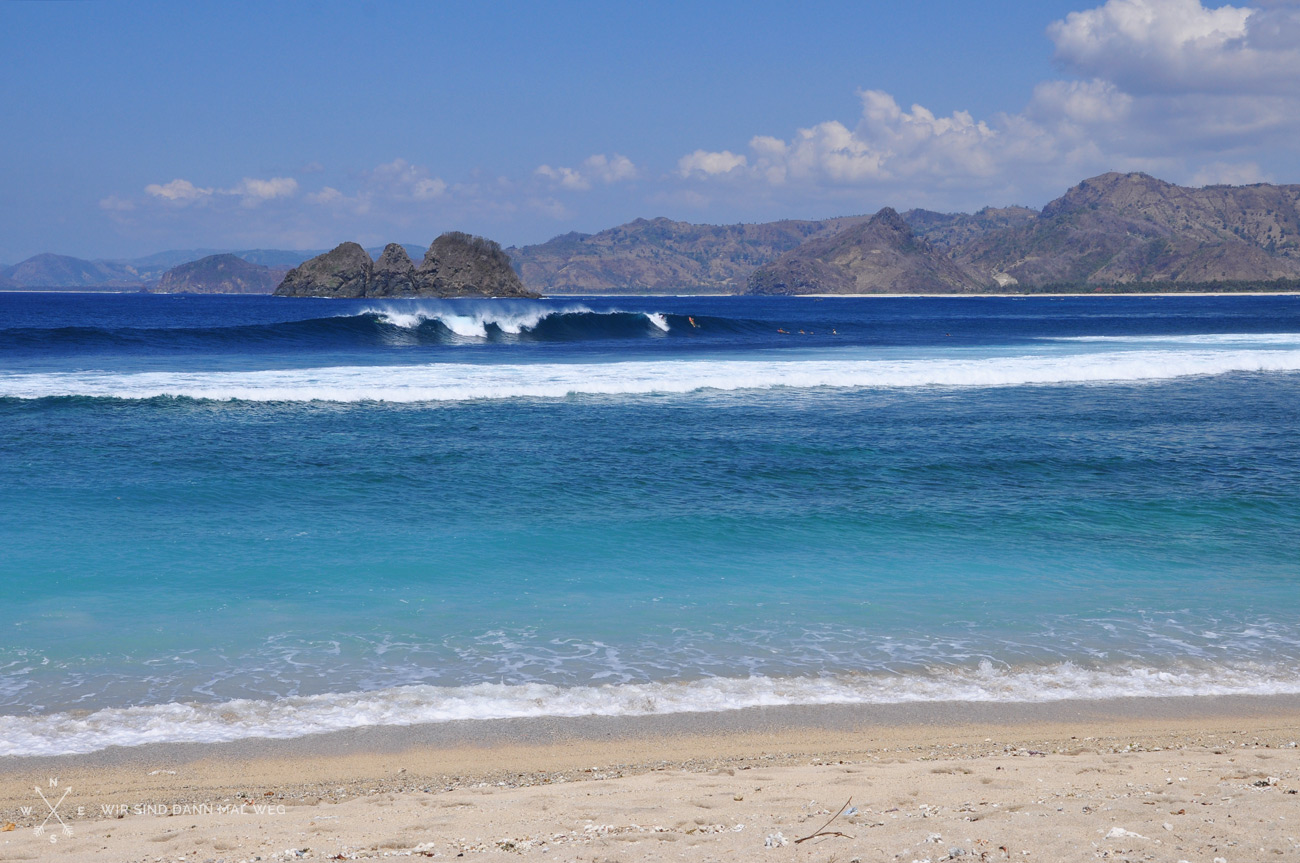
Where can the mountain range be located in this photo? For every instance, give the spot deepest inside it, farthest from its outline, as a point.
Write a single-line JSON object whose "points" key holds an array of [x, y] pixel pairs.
{"points": [[661, 255], [1111, 232]]}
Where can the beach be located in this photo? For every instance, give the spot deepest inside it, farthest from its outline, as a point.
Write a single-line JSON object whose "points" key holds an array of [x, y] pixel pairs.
{"points": [[1163, 779]]}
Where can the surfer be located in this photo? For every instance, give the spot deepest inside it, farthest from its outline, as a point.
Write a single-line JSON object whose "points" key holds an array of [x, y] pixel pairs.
{"points": [[692, 320], [779, 330]]}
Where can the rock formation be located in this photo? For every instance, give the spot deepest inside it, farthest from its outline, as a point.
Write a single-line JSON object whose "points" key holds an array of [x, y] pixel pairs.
{"points": [[343, 272], [880, 256], [460, 265], [456, 265], [393, 274]]}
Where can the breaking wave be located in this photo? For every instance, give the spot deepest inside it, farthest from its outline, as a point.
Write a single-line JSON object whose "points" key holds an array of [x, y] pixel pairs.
{"points": [[378, 325], [438, 382], [67, 733]]}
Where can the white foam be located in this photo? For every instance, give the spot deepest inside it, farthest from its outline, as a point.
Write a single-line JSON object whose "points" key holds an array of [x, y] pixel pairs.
{"points": [[508, 318], [1191, 339], [462, 381], [66, 733]]}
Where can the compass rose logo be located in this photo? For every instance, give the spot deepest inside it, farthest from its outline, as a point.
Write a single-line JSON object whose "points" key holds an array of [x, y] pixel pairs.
{"points": [[54, 812]]}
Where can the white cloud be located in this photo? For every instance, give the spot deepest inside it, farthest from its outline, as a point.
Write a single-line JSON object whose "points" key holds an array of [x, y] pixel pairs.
{"points": [[397, 188], [115, 204], [609, 169], [399, 180], [705, 163], [1084, 102], [1226, 173], [1173, 87], [252, 189], [1173, 46], [428, 188], [566, 177], [888, 144], [177, 190], [594, 169], [327, 195]]}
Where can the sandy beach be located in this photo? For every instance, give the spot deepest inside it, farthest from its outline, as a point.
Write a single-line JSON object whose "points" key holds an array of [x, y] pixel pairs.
{"points": [[1169, 779]]}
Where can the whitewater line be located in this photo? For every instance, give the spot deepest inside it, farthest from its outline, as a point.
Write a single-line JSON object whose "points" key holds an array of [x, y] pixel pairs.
{"points": [[298, 716], [438, 382]]}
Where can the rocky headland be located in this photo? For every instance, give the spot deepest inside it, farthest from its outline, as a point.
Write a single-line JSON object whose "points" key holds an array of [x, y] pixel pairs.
{"points": [[456, 265]]}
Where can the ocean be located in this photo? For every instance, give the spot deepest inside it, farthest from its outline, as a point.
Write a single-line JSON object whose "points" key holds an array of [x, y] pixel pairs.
{"points": [[233, 517]]}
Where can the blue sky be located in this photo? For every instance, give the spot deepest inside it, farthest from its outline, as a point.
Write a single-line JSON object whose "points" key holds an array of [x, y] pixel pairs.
{"points": [[131, 128]]}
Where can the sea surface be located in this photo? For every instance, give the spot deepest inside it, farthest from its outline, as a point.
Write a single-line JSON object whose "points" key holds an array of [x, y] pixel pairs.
{"points": [[236, 517]]}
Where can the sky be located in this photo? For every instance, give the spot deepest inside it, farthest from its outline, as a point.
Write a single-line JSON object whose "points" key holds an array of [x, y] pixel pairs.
{"points": [[130, 128]]}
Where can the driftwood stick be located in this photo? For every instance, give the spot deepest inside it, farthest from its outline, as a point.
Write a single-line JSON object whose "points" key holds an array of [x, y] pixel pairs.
{"points": [[822, 831]]}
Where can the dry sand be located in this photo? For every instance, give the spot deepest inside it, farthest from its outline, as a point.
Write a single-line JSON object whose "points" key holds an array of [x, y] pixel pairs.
{"points": [[1195, 780]]}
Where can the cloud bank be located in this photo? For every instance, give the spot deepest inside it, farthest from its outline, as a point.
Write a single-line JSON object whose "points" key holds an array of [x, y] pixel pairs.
{"points": [[1170, 86]]}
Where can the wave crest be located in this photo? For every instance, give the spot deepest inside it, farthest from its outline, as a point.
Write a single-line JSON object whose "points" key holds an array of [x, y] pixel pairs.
{"points": [[487, 321]]}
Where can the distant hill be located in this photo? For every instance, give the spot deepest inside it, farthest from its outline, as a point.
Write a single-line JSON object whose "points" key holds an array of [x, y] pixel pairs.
{"points": [[220, 274], [1121, 228], [660, 255], [1107, 232], [881, 255], [60, 271], [151, 267]]}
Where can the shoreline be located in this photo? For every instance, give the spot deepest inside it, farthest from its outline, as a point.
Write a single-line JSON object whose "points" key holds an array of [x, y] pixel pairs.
{"points": [[656, 295], [497, 789], [779, 720], [775, 721]]}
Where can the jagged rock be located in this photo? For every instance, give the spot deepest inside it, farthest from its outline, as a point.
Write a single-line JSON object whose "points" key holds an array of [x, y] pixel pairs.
{"points": [[343, 272], [880, 256], [461, 265], [456, 265], [218, 274], [393, 274]]}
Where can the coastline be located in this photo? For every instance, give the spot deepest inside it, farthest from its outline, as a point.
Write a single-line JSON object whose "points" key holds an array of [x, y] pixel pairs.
{"points": [[689, 296], [1027, 777]]}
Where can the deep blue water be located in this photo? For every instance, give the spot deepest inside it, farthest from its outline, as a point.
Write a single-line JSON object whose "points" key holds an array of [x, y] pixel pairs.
{"points": [[243, 516]]}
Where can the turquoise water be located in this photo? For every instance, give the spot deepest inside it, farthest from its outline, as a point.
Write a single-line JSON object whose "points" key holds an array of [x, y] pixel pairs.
{"points": [[228, 517]]}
